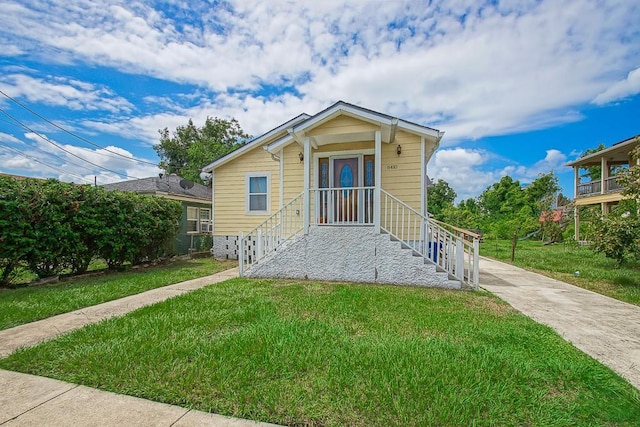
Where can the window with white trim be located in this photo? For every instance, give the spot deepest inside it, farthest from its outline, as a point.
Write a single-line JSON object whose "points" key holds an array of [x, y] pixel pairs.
{"points": [[198, 220], [257, 193]]}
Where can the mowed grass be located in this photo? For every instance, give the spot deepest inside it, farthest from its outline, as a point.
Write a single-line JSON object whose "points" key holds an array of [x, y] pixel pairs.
{"points": [[28, 304], [562, 260], [326, 354]]}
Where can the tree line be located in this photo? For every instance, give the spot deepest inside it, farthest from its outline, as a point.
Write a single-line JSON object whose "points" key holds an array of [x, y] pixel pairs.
{"points": [[503, 209], [507, 208]]}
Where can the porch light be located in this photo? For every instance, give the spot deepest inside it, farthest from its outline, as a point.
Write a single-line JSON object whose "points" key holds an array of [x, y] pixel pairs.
{"points": [[399, 149], [301, 157]]}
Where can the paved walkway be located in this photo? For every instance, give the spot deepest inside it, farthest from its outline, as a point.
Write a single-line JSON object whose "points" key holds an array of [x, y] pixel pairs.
{"points": [[28, 400], [32, 333], [604, 328]]}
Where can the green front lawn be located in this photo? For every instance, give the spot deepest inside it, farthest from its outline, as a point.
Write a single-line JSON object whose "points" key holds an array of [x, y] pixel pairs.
{"points": [[316, 354], [28, 304], [561, 261]]}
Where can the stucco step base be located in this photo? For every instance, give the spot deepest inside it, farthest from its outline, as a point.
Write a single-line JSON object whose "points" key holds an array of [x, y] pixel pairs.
{"points": [[353, 254]]}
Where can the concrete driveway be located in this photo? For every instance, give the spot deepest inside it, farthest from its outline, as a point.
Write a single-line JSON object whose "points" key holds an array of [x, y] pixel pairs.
{"points": [[604, 328]]}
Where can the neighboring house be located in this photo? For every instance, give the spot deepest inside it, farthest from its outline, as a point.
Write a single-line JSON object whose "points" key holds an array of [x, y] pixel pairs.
{"points": [[195, 227], [555, 215], [340, 195], [605, 191]]}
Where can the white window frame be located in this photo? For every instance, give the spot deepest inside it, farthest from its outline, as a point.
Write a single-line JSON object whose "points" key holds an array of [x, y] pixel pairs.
{"points": [[202, 226], [247, 186]]}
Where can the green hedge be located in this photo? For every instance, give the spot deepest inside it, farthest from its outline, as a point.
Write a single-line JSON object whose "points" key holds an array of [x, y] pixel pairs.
{"points": [[52, 226]]}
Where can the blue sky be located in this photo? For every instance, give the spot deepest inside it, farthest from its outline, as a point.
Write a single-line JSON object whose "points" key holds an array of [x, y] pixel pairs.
{"points": [[520, 87]]}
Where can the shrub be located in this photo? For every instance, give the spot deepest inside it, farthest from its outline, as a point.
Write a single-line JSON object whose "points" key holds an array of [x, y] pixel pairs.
{"points": [[618, 237], [53, 226]]}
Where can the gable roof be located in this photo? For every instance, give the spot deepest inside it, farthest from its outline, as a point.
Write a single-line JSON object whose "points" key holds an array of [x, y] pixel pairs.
{"points": [[256, 142], [294, 129], [388, 124], [166, 184]]}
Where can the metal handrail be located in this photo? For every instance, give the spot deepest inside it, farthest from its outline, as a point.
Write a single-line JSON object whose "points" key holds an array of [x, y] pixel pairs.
{"points": [[429, 238], [269, 235]]}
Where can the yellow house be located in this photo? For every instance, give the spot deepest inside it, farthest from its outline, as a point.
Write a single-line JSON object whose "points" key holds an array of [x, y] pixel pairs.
{"points": [[340, 195], [604, 191]]}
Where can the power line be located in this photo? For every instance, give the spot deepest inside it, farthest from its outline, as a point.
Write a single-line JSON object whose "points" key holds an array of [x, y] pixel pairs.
{"points": [[73, 134], [50, 154], [43, 163], [62, 148]]}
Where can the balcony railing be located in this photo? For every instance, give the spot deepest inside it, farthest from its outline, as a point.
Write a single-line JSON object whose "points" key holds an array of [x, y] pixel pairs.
{"points": [[611, 185], [343, 206]]}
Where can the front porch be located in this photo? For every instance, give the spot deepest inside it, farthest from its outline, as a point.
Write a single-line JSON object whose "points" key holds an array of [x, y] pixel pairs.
{"points": [[350, 237]]}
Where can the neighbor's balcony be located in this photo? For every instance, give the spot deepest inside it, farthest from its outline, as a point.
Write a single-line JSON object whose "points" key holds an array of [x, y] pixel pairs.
{"points": [[611, 185]]}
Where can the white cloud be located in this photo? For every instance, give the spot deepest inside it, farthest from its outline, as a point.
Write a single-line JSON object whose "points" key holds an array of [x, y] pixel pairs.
{"points": [[41, 156], [63, 92], [469, 172], [471, 69], [621, 89]]}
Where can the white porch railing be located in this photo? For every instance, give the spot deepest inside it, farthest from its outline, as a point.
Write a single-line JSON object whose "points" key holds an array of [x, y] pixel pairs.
{"points": [[343, 206], [454, 250], [270, 234]]}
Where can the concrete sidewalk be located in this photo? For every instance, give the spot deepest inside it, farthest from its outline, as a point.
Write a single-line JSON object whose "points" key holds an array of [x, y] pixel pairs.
{"points": [[35, 332], [604, 328], [28, 400]]}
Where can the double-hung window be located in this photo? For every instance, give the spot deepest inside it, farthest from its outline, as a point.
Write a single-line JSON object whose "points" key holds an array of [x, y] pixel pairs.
{"points": [[257, 193], [198, 220]]}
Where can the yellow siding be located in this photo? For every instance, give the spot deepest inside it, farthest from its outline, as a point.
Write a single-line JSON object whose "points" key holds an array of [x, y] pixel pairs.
{"points": [[347, 146], [293, 172], [342, 124], [230, 192], [600, 198], [401, 174]]}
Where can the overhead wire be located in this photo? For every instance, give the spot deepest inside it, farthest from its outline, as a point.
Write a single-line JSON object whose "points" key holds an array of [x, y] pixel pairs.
{"points": [[81, 138], [44, 163], [62, 148], [47, 153]]}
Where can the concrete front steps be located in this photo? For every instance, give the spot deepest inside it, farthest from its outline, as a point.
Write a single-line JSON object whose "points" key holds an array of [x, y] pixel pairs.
{"points": [[352, 254]]}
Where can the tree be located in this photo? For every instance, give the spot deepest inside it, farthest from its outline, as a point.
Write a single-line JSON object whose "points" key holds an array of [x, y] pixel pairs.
{"points": [[542, 192], [439, 197], [630, 178], [618, 234], [592, 173], [189, 148]]}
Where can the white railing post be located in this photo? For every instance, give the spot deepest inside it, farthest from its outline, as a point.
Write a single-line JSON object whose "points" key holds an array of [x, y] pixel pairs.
{"points": [[476, 263], [459, 258], [307, 168], [259, 246], [241, 253]]}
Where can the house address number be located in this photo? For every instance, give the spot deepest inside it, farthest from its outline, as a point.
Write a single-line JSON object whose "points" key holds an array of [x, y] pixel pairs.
{"points": [[392, 166]]}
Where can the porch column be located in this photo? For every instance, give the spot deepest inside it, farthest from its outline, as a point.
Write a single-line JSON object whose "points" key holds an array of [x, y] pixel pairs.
{"points": [[576, 181], [306, 199], [576, 223], [281, 164], [423, 175], [604, 174], [378, 174]]}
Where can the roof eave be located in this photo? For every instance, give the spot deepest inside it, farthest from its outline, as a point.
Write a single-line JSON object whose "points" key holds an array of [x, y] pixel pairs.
{"points": [[255, 142]]}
